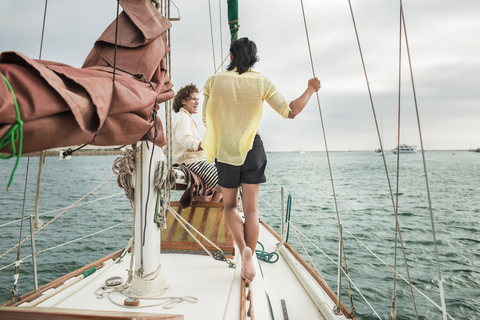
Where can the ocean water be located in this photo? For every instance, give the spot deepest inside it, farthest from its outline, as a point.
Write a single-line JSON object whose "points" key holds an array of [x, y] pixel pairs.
{"points": [[364, 208]]}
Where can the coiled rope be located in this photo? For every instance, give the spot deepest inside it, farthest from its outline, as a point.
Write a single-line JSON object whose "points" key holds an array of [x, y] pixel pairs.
{"points": [[124, 168]]}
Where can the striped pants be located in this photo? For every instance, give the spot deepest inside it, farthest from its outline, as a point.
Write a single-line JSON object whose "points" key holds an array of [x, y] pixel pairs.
{"points": [[205, 171]]}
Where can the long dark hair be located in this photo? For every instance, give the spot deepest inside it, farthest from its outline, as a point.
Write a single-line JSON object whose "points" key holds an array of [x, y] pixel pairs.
{"points": [[244, 55]]}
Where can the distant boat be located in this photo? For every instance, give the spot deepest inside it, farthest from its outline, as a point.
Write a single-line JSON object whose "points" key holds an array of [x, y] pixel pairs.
{"points": [[379, 152], [405, 149]]}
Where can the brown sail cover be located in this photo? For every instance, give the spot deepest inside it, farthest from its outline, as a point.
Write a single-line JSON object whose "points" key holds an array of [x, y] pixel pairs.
{"points": [[65, 106]]}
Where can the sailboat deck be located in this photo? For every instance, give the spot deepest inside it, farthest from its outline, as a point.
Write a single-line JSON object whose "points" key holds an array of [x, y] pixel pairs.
{"points": [[216, 286]]}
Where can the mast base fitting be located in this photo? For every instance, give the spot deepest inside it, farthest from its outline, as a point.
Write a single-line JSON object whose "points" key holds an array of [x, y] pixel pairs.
{"points": [[131, 302]]}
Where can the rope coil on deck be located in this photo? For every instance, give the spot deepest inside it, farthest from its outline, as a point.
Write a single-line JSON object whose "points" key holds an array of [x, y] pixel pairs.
{"points": [[164, 180], [124, 168]]}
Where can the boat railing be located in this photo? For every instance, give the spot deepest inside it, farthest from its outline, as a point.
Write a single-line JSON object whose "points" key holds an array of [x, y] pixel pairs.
{"points": [[329, 257], [66, 243], [77, 203]]}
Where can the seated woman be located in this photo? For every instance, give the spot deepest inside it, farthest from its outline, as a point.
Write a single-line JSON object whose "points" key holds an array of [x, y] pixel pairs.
{"points": [[186, 142]]}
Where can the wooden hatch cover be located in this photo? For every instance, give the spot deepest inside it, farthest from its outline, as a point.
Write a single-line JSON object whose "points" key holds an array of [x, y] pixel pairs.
{"points": [[206, 217]]}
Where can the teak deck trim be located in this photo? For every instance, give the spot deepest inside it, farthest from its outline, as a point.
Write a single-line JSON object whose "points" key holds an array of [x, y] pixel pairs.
{"points": [[63, 314]]}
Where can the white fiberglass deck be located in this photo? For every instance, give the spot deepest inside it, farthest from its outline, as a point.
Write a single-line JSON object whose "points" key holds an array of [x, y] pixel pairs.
{"points": [[213, 283]]}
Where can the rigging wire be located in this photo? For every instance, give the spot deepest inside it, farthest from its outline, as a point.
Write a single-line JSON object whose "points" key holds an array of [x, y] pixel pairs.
{"points": [[393, 311], [394, 203], [43, 30], [327, 155], [211, 33], [376, 256], [17, 263], [444, 310], [328, 257], [221, 30], [357, 240]]}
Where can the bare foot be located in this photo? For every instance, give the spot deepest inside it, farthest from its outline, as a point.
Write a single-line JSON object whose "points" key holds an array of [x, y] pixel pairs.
{"points": [[248, 268]]}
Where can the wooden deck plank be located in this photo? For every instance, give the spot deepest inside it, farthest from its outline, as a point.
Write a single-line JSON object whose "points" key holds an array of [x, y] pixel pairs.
{"points": [[217, 225], [203, 224], [190, 218], [64, 314], [210, 223], [204, 216]]}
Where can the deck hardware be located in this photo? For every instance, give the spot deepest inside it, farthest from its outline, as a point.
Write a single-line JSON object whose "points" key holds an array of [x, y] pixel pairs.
{"points": [[113, 281], [34, 259], [336, 309], [14, 295], [218, 255], [284, 309], [131, 302]]}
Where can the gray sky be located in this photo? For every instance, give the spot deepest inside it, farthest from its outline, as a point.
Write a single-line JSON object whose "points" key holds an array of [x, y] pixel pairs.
{"points": [[443, 39]]}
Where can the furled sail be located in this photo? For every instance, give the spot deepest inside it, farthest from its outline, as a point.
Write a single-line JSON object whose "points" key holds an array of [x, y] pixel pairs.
{"points": [[63, 106], [233, 19]]}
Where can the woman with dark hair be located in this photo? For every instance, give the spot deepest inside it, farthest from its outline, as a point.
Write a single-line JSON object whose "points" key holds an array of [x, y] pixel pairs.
{"points": [[243, 55], [186, 142], [232, 110]]}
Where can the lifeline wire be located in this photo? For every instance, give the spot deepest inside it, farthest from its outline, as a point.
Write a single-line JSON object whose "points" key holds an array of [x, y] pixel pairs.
{"points": [[362, 244], [68, 242], [369, 250], [44, 226]]}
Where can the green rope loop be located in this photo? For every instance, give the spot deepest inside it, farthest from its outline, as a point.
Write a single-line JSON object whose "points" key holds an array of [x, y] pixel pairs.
{"points": [[15, 133], [270, 257]]}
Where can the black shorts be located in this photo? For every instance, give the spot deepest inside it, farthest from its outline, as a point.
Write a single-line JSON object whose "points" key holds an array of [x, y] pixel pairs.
{"points": [[252, 171]]}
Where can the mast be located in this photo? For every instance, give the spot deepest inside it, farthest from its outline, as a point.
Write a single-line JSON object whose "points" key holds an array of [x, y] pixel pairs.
{"points": [[148, 279]]}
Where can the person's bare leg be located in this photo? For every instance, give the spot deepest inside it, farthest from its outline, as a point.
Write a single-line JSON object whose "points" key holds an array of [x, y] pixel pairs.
{"points": [[233, 219], [235, 224], [251, 228], [217, 194]]}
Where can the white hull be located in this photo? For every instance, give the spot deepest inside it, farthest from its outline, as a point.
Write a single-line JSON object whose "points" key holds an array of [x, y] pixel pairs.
{"points": [[405, 149]]}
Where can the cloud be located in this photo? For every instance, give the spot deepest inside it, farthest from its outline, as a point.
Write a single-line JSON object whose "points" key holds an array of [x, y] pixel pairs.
{"points": [[443, 43]]}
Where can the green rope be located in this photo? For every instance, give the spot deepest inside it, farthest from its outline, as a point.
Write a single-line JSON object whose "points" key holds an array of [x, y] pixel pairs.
{"points": [[89, 272], [15, 133], [270, 257]]}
